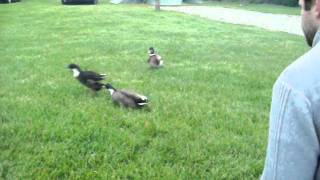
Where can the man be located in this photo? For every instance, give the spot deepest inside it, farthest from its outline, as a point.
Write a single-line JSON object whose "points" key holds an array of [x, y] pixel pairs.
{"points": [[294, 128]]}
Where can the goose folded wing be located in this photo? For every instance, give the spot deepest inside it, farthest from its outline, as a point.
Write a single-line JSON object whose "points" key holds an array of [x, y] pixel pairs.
{"points": [[94, 84], [136, 97], [94, 76]]}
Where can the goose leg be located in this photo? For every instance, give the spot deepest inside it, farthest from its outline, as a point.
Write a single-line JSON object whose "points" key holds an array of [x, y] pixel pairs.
{"points": [[93, 93]]}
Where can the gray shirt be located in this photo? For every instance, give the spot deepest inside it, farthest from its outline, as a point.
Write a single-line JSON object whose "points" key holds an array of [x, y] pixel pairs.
{"points": [[293, 146]]}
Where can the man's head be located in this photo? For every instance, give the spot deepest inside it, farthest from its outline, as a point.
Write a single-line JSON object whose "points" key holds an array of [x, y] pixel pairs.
{"points": [[310, 14]]}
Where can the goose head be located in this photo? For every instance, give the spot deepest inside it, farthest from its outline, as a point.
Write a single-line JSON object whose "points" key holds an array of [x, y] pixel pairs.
{"points": [[151, 51], [75, 69], [110, 88]]}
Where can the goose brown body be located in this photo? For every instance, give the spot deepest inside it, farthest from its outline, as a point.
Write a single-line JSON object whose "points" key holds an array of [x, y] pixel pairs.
{"points": [[127, 98]]}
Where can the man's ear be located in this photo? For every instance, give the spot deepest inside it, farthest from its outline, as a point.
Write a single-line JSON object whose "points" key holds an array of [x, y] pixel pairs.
{"points": [[317, 9]]}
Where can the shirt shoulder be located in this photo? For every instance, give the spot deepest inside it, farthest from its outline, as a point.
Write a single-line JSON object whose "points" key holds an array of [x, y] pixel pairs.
{"points": [[303, 78], [304, 74]]}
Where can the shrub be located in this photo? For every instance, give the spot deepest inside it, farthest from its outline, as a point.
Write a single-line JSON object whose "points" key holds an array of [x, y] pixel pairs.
{"points": [[7, 1]]}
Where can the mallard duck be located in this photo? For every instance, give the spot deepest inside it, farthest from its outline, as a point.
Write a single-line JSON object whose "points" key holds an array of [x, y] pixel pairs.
{"points": [[88, 78], [155, 60], [126, 98]]}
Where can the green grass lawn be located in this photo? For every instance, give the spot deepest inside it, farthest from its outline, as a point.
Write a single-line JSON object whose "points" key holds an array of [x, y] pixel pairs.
{"points": [[265, 8], [209, 104]]}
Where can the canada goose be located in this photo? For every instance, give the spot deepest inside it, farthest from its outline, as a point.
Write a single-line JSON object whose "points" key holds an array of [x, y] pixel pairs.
{"points": [[88, 78], [126, 98], [154, 60]]}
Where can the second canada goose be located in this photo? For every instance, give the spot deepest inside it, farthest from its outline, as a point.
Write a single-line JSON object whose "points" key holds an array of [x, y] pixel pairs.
{"points": [[155, 60], [126, 98]]}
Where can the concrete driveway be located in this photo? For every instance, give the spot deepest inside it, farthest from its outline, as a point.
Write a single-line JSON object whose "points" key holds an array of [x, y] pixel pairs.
{"points": [[273, 22]]}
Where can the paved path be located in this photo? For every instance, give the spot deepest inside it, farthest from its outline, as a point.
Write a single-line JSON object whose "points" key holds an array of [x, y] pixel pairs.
{"points": [[274, 22]]}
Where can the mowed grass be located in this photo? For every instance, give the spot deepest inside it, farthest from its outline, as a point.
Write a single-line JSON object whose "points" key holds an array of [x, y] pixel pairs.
{"points": [[264, 8], [209, 105]]}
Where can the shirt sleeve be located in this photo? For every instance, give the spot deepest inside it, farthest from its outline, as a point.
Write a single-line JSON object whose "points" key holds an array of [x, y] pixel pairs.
{"points": [[293, 146]]}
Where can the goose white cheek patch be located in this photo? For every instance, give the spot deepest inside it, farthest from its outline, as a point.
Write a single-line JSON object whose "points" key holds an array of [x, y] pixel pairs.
{"points": [[75, 72], [111, 91]]}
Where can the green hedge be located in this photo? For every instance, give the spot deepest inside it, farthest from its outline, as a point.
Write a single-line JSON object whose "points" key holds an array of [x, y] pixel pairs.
{"points": [[280, 2]]}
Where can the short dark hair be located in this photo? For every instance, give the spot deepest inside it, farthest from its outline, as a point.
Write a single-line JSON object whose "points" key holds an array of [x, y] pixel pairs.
{"points": [[308, 4]]}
